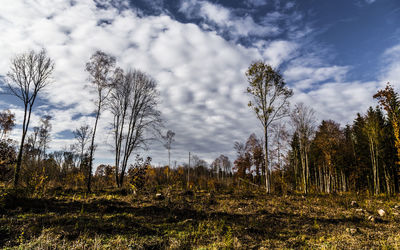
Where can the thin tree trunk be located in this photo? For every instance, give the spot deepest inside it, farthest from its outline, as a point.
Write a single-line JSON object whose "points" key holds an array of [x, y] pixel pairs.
{"points": [[267, 175], [188, 173], [321, 180], [344, 188], [118, 141], [387, 180], [25, 125], [92, 149], [377, 170], [308, 177], [169, 164], [303, 167], [395, 179]]}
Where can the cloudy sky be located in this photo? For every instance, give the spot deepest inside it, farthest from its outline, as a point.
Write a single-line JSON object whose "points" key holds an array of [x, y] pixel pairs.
{"points": [[334, 54]]}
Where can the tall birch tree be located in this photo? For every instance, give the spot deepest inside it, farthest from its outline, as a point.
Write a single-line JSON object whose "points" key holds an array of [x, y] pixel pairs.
{"points": [[101, 71], [270, 102]]}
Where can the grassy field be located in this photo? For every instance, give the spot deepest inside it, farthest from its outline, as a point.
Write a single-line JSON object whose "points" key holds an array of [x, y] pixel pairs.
{"points": [[200, 220]]}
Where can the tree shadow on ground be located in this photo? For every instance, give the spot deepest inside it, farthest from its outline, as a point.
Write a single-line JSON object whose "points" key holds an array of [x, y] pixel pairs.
{"points": [[110, 217]]}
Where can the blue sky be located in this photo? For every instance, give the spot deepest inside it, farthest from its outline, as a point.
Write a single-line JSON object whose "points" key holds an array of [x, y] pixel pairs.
{"points": [[334, 54]]}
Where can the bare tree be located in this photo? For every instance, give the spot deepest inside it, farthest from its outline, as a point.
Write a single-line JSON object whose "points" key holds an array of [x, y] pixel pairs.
{"points": [[222, 166], [373, 129], [270, 101], [82, 135], [279, 142], [44, 135], [216, 166], [243, 160], [303, 120], [254, 148], [133, 102], [30, 72], [168, 140], [32, 149], [100, 68]]}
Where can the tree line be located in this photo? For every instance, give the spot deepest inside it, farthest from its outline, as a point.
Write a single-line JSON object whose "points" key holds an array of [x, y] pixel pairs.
{"points": [[131, 97], [294, 153], [361, 157]]}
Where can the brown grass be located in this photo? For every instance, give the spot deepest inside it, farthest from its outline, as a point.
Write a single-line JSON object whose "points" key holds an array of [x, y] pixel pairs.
{"points": [[110, 220]]}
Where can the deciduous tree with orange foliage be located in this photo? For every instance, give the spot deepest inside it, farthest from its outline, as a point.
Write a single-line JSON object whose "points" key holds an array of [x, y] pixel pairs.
{"points": [[389, 100]]}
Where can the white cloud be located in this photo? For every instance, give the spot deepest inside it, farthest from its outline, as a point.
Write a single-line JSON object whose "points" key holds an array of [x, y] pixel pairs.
{"points": [[278, 51], [290, 5], [227, 21], [304, 77], [339, 101], [256, 3], [391, 62], [200, 74]]}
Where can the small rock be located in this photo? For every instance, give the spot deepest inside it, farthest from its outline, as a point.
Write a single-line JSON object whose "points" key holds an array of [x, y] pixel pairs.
{"points": [[395, 213], [354, 204], [187, 221], [351, 230], [381, 212], [159, 196], [360, 210], [396, 206], [373, 219]]}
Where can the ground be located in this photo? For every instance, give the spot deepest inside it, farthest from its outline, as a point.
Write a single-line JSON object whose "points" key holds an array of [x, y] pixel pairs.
{"points": [[182, 219]]}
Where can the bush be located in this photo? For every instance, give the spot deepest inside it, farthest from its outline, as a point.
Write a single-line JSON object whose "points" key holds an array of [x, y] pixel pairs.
{"points": [[7, 159]]}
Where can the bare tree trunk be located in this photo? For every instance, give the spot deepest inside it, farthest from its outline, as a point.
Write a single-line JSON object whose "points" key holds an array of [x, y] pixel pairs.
{"points": [[321, 180], [296, 169], [395, 180], [267, 171], [188, 174], [377, 170], [92, 150], [304, 168], [120, 123], [307, 190], [169, 164], [344, 186], [374, 163], [387, 180], [21, 147], [25, 126], [328, 179]]}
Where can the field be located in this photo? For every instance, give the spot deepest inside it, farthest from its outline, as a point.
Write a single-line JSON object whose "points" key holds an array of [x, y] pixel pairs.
{"points": [[180, 219]]}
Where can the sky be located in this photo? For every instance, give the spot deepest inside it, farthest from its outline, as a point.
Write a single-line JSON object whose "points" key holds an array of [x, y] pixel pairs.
{"points": [[334, 54]]}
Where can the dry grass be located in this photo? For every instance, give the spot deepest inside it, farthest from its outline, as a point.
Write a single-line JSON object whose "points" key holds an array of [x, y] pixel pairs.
{"points": [[112, 220]]}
